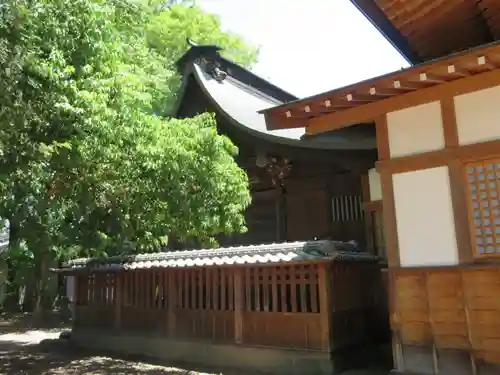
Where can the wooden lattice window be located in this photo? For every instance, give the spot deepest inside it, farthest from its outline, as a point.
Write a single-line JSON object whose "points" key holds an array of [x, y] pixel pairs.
{"points": [[483, 185]]}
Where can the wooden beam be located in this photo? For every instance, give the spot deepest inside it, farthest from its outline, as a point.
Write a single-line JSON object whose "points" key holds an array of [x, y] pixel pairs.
{"points": [[238, 305], [325, 306], [448, 115], [389, 219], [371, 111], [439, 158], [460, 213], [382, 134], [457, 178]]}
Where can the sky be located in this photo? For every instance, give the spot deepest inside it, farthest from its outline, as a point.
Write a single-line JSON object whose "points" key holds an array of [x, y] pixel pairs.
{"points": [[308, 49]]}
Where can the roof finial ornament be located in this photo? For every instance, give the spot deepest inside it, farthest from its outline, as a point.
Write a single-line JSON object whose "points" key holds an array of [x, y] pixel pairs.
{"points": [[191, 42]]}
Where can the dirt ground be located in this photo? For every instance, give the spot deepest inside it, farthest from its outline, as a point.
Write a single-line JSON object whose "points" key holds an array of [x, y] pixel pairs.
{"points": [[34, 349]]}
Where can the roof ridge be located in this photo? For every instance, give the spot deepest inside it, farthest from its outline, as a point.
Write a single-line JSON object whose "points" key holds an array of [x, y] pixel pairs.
{"points": [[274, 252]]}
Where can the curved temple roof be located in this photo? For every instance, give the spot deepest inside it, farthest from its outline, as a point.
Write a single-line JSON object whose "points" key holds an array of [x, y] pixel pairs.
{"points": [[239, 96]]}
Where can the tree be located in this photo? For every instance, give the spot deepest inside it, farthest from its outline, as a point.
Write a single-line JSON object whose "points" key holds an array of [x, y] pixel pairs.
{"points": [[168, 29], [86, 164], [167, 32]]}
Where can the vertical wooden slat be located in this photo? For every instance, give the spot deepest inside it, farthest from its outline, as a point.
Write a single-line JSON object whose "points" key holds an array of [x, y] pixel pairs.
{"points": [[172, 298], [155, 290], [201, 295], [208, 282], [274, 288], [185, 288], [325, 308], [293, 288], [166, 290], [148, 274], [179, 288], [435, 361], [238, 305], [119, 298], [194, 285], [248, 283], [215, 288], [265, 287], [230, 293], [303, 294], [77, 295], [257, 285], [313, 282], [283, 273], [223, 289], [468, 322], [141, 289]]}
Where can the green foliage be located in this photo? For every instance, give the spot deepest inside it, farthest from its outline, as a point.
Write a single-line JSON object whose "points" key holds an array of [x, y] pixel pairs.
{"points": [[86, 162], [167, 32]]}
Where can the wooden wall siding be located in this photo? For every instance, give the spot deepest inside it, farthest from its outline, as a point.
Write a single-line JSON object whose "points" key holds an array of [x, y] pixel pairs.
{"points": [[307, 212], [448, 310]]}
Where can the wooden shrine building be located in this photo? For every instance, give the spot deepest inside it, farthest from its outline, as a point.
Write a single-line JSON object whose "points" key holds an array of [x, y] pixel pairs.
{"points": [[437, 184], [302, 187], [303, 308]]}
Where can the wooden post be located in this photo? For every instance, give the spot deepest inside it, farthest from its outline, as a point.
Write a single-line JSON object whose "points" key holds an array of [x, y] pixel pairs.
{"points": [[171, 301], [74, 297], [325, 307], [238, 305], [118, 300]]}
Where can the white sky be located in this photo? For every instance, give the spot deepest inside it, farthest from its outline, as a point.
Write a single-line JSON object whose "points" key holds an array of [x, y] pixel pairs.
{"points": [[308, 47]]}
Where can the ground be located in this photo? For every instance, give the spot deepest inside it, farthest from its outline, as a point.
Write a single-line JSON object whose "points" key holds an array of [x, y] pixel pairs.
{"points": [[34, 349]]}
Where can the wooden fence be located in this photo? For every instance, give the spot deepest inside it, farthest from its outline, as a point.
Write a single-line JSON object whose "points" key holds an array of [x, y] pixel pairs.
{"points": [[283, 306]]}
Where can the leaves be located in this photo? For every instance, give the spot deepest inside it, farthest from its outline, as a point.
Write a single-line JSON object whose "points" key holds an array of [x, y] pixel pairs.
{"points": [[88, 163]]}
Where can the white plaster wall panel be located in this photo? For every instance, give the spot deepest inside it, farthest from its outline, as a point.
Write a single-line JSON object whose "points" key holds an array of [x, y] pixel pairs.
{"points": [[415, 130], [425, 221], [375, 185], [478, 116]]}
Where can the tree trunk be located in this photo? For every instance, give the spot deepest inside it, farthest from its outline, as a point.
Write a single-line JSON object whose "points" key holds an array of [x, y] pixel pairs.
{"points": [[39, 306], [11, 289]]}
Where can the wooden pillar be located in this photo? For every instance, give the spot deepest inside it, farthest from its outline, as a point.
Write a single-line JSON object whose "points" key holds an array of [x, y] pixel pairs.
{"points": [[118, 300], [325, 306], [74, 298], [238, 305], [369, 225], [171, 302]]}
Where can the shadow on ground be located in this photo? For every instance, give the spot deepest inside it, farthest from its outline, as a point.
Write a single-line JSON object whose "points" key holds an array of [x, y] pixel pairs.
{"points": [[30, 348], [51, 357], [23, 322]]}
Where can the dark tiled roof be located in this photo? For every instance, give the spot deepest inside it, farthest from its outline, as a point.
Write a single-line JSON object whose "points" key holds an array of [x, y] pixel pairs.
{"points": [[271, 253]]}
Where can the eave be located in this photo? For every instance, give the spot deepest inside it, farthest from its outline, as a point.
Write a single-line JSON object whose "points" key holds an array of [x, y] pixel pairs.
{"points": [[428, 29], [364, 101]]}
